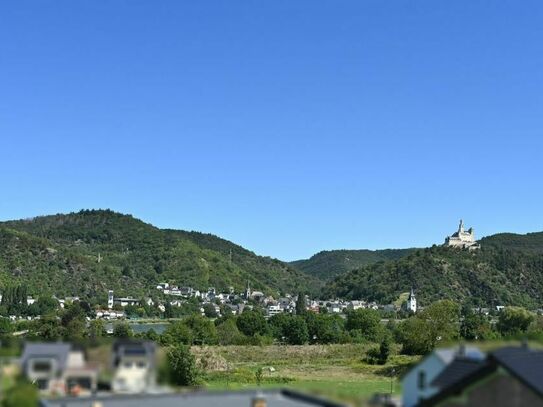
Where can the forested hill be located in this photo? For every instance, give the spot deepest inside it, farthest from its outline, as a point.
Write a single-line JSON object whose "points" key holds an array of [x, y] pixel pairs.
{"points": [[331, 263], [530, 242], [60, 254], [503, 272]]}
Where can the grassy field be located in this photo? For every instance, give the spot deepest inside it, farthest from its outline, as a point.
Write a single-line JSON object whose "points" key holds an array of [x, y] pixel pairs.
{"points": [[335, 371]]}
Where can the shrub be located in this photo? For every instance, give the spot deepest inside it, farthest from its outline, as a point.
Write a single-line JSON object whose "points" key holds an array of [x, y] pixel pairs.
{"points": [[122, 330], [182, 369]]}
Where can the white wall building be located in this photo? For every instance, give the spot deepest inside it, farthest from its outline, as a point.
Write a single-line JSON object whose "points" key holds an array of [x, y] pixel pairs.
{"points": [[412, 302], [416, 382]]}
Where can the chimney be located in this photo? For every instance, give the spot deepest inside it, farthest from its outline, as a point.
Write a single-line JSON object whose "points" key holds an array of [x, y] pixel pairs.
{"points": [[259, 401]]}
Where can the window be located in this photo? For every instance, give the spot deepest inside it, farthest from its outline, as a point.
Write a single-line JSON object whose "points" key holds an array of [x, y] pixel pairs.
{"points": [[422, 380], [41, 366], [127, 365], [141, 365], [42, 384]]}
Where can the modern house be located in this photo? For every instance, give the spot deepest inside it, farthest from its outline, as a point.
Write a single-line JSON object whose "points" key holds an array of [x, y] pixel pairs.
{"points": [[134, 365], [266, 398], [511, 376], [58, 369], [418, 384]]}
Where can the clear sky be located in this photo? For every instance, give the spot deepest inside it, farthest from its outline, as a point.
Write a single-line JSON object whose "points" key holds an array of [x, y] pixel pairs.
{"points": [[287, 126]]}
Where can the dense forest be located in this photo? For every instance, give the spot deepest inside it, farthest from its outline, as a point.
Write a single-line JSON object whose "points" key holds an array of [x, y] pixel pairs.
{"points": [[88, 252], [331, 263], [501, 273]]}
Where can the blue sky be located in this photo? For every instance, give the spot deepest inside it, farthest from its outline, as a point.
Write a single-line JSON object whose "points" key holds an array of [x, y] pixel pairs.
{"points": [[286, 126]]}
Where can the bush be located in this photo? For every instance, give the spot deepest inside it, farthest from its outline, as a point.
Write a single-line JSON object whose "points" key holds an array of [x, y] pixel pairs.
{"points": [[378, 355], [229, 333], [177, 333], [514, 321], [251, 323], [23, 394], [203, 330], [367, 321], [122, 330], [295, 331], [182, 369]]}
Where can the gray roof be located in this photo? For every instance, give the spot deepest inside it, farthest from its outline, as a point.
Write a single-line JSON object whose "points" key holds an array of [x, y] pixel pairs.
{"points": [[274, 398], [524, 363], [58, 351], [457, 370], [448, 354], [521, 362]]}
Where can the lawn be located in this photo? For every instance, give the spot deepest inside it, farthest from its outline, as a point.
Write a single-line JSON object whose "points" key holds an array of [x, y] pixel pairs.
{"points": [[334, 371]]}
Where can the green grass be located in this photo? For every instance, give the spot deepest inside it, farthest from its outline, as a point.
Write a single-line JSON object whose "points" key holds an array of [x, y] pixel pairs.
{"points": [[349, 391], [335, 371]]}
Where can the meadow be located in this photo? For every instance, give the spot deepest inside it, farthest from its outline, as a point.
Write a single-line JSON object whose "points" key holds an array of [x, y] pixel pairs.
{"points": [[337, 372]]}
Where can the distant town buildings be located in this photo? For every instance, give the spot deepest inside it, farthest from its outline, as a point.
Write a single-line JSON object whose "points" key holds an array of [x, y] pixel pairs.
{"points": [[462, 239]]}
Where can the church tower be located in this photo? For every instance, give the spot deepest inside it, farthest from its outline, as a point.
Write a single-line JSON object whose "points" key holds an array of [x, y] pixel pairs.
{"points": [[412, 301], [110, 299], [248, 291]]}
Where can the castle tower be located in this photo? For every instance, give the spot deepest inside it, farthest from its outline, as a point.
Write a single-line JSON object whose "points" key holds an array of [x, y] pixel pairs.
{"points": [[412, 301], [461, 227]]}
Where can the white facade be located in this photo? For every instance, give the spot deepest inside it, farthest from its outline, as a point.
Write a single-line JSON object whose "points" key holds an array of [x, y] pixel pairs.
{"points": [[124, 302], [134, 367], [272, 310], [412, 302], [110, 299], [416, 383]]}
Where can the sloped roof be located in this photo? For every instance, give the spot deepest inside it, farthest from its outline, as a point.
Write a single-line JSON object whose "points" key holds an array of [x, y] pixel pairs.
{"points": [[456, 371], [448, 354], [58, 351], [524, 363]]}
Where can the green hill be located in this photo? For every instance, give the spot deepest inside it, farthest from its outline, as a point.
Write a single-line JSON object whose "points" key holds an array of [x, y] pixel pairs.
{"points": [[329, 264], [60, 254], [503, 272], [530, 242]]}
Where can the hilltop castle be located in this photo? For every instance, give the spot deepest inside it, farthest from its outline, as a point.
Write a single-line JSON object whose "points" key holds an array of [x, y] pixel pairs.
{"points": [[462, 239]]}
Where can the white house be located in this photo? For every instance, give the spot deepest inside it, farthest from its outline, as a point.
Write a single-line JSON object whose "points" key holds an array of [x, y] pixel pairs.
{"points": [[354, 305], [58, 369], [272, 310], [416, 382], [126, 301], [135, 366]]}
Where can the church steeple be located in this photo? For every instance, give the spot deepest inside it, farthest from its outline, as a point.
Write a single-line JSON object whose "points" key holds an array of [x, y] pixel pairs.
{"points": [[248, 291], [412, 301]]}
